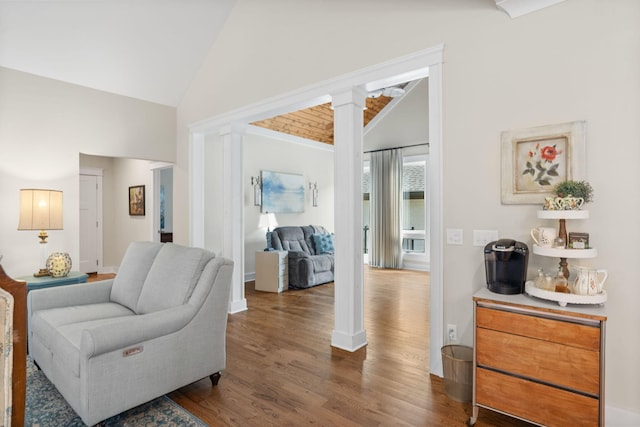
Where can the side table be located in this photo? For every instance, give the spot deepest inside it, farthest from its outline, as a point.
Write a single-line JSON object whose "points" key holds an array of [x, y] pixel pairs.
{"points": [[272, 271], [49, 282]]}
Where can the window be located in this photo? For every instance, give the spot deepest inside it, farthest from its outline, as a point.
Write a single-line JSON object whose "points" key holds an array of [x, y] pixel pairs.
{"points": [[414, 174]]}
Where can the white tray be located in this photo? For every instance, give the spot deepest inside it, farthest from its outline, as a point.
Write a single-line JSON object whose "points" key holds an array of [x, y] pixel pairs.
{"points": [[563, 299], [571, 214], [565, 252]]}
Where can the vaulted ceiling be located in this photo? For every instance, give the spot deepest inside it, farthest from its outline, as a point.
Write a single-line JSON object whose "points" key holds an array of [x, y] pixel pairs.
{"points": [[135, 48], [316, 123], [123, 46]]}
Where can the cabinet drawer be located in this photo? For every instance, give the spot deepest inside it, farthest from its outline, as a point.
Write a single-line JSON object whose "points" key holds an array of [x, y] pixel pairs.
{"points": [[558, 331], [535, 402], [553, 363]]}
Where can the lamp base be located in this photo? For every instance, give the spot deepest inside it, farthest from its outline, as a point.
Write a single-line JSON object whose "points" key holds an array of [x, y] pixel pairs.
{"points": [[43, 272]]}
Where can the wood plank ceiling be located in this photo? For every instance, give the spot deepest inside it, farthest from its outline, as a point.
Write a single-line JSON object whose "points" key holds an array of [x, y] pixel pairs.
{"points": [[316, 123]]}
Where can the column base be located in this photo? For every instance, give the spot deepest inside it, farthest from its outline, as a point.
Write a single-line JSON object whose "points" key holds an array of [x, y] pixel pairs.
{"points": [[348, 342]]}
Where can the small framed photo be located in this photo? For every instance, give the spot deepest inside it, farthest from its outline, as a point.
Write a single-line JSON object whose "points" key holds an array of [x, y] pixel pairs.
{"points": [[136, 200], [578, 240]]}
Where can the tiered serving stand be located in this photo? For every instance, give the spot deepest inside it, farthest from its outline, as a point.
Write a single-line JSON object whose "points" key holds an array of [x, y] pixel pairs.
{"points": [[564, 254]]}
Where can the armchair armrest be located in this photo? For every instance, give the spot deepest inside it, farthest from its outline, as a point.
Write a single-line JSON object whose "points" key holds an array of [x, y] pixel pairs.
{"points": [[295, 255], [123, 332], [63, 296], [300, 268]]}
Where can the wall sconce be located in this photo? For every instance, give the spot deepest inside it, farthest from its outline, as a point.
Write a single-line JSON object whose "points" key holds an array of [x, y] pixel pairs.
{"points": [[256, 181], [314, 193], [41, 210]]}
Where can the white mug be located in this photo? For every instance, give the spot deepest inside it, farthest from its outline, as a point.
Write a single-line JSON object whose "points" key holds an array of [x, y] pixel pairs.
{"points": [[544, 236]]}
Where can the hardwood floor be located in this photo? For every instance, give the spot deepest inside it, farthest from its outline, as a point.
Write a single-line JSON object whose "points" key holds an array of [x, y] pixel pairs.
{"points": [[282, 370], [94, 277]]}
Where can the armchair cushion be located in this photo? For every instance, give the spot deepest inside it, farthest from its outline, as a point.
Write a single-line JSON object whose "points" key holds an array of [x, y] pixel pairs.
{"points": [[172, 277], [47, 323], [322, 262], [132, 273], [323, 243]]}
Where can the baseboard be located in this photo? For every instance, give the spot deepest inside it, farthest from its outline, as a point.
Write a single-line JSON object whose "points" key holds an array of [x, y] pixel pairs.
{"points": [[615, 417], [416, 266], [250, 277], [237, 306], [108, 270], [348, 342]]}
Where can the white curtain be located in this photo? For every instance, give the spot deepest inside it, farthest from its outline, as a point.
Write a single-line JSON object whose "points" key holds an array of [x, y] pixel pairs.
{"points": [[386, 209]]}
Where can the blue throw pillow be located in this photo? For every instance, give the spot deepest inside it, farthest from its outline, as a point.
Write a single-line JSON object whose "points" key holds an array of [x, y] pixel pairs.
{"points": [[323, 243]]}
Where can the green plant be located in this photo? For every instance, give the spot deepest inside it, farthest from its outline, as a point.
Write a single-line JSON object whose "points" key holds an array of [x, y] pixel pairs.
{"points": [[574, 188]]}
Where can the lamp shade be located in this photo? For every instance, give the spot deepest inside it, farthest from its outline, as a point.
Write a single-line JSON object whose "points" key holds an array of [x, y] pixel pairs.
{"points": [[267, 220], [40, 210]]}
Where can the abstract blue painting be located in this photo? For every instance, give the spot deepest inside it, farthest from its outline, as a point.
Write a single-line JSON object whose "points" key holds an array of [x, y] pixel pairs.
{"points": [[282, 192]]}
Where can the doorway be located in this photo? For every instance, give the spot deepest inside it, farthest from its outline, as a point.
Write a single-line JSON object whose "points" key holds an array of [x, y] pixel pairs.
{"points": [[411, 67], [163, 202]]}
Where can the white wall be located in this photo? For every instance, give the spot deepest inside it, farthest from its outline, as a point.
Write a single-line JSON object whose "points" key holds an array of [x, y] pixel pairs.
{"points": [[118, 227], [406, 123], [578, 60], [44, 126], [128, 173]]}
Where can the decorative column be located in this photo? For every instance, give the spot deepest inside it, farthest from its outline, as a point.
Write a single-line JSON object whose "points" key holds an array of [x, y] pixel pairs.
{"points": [[348, 333], [233, 211]]}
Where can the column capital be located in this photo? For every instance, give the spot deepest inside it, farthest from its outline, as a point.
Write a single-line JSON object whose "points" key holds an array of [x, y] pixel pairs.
{"points": [[354, 95], [233, 128]]}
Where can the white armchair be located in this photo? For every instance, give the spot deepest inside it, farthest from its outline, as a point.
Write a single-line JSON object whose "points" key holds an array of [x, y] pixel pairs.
{"points": [[159, 325]]}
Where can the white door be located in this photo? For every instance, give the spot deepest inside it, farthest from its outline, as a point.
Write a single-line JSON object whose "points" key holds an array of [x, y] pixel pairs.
{"points": [[89, 224]]}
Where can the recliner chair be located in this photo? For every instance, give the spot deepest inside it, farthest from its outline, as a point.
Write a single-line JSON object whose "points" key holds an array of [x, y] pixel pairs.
{"points": [[308, 265], [159, 325]]}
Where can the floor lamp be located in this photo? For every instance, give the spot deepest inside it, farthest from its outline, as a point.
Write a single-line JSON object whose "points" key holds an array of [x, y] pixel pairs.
{"points": [[41, 210]]}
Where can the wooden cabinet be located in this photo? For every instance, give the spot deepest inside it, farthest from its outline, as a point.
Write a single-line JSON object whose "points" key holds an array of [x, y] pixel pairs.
{"points": [[538, 362], [272, 271]]}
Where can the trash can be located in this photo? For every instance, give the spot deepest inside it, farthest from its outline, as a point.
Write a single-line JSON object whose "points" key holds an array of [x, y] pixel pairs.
{"points": [[457, 362]]}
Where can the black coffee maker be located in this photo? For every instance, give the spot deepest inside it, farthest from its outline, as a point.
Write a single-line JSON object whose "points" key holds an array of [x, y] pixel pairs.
{"points": [[505, 262]]}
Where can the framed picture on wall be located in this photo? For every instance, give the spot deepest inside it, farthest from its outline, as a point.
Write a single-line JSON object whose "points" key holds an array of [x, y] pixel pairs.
{"points": [[282, 192], [136, 200], [534, 160]]}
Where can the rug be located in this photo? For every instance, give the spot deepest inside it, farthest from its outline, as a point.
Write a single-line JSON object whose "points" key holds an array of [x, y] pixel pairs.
{"points": [[47, 408]]}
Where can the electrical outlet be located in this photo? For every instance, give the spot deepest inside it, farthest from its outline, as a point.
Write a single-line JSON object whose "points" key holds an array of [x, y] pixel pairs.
{"points": [[452, 333]]}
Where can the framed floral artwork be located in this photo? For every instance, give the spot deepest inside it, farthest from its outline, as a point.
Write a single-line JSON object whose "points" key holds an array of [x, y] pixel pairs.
{"points": [[534, 160]]}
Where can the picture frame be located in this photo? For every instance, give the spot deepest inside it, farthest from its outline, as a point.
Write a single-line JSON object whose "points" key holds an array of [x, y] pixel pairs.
{"points": [[282, 192], [537, 158], [578, 240], [136, 200]]}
